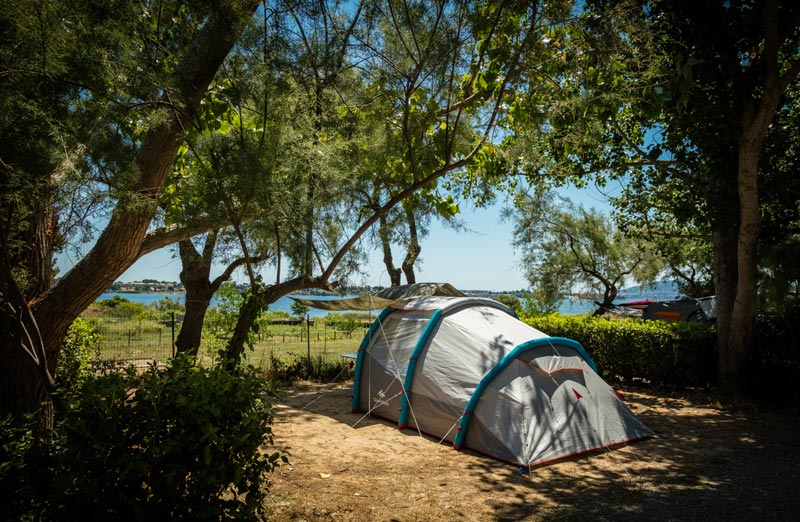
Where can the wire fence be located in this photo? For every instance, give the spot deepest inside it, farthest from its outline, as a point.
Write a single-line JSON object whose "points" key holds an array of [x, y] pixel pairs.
{"points": [[142, 341]]}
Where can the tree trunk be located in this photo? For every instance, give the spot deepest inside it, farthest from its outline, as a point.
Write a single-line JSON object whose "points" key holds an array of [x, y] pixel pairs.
{"points": [[257, 301], [386, 244], [724, 243], [414, 248], [43, 234], [119, 245], [195, 278], [739, 337], [756, 118]]}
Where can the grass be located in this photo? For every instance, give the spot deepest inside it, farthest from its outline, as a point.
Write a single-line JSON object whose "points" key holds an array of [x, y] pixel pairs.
{"points": [[132, 339]]}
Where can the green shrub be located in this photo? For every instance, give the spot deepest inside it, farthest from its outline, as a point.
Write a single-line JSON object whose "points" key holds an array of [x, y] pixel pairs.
{"points": [[664, 354], [510, 301], [317, 369], [120, 307], [176, 443], [80, 347]]}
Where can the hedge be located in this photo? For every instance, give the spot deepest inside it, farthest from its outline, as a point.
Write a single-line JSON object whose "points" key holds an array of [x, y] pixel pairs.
{"points": [[655, 352]]}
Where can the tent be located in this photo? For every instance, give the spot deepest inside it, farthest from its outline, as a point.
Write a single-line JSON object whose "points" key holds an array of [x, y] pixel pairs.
{"points": [[467, 371]]}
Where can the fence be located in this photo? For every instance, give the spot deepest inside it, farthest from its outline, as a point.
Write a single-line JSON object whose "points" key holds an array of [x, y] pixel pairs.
{"points": [[141, 340]]}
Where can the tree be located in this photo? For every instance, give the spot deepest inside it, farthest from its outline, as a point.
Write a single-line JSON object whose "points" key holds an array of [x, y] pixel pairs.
{"points": [[116, 91], [200, 288], [681, 114], [568, 249], [510, 301], [435, 97], [717, 118], [408, 225], [299, 309], [122, 83]]}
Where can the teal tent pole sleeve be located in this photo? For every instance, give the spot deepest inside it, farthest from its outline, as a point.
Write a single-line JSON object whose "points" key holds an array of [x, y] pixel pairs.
{"points": [[466, 418], [433, 323], [360, 357]]}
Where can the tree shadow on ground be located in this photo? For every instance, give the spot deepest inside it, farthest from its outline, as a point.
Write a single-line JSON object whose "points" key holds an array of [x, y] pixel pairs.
{"points": [[704, 464], [332, 400]]}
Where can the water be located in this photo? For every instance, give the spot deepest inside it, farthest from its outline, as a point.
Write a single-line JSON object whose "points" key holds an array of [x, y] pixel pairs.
{"points": [[284, 304]]}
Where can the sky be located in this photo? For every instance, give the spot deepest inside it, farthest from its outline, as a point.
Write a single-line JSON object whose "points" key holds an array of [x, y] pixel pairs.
{"points": [[481, 258]]}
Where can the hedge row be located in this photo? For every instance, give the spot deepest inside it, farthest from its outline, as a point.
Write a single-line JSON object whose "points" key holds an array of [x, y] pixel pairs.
{"points": [[656, 352]]}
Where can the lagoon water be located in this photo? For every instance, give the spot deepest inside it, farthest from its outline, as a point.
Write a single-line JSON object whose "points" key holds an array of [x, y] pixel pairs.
{"points": [[284, 303]]}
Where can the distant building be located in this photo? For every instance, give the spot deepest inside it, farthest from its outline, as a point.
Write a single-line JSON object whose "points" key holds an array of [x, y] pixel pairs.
{"points": [[148, 286]]}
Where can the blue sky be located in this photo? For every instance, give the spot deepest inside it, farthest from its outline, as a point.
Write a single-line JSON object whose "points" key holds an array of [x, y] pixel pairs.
{"points": [[480, 259]]}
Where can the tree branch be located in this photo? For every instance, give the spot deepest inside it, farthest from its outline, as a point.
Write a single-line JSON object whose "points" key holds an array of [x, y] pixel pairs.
{"points": [[167, 235]]}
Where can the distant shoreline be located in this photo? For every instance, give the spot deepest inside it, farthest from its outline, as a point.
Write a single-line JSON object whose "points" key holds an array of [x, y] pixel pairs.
{"points": [[178, 292]]}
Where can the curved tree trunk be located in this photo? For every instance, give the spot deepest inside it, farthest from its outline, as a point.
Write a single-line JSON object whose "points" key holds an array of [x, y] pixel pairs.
{"points": [[739, 338], [120, 243], [256, 302]]}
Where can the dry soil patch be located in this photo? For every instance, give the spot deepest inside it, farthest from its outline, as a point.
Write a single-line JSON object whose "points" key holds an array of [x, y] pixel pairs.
{"points": [[706, 464]]}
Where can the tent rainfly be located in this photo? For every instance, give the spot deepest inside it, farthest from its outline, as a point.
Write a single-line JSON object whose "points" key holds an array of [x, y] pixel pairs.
{"points": [[467, 371]]}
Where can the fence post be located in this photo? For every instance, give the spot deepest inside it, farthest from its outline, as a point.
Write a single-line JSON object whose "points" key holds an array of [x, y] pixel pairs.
{"points": [[308, 340], [173, 333]]}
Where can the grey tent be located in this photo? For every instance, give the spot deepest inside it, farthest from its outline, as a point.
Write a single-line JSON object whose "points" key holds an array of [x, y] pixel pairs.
{"points": [[467, 371]]}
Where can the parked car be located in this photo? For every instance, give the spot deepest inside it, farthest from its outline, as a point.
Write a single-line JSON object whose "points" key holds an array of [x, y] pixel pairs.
{"points": [[703, 310]]}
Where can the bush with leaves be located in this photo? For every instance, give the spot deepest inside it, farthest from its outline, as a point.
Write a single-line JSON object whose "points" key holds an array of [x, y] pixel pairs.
{"points": [[120, 307], [176, 443], [661, 353], [510, 301], [316, 369], [80, 347]]}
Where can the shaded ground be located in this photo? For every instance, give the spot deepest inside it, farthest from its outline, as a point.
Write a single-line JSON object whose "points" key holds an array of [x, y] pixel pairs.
{"points": [[706, 464]]}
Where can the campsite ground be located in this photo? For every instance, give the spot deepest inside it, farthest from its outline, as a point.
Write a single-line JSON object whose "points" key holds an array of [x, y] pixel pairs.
{"points": [[705, 464]]}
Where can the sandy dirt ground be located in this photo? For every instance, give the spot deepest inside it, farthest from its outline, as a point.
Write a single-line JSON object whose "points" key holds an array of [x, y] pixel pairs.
{"points": [[706, 464]]}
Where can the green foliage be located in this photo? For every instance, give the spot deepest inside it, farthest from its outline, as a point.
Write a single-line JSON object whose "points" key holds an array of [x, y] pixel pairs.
{"points": [[533, 306], [316, 369], [118, 306], [24, 464], [176, 443], [657, 352], [81, 346], [568, 248], [510, 301], [347, 322], [222, 317], [299, 309]]}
